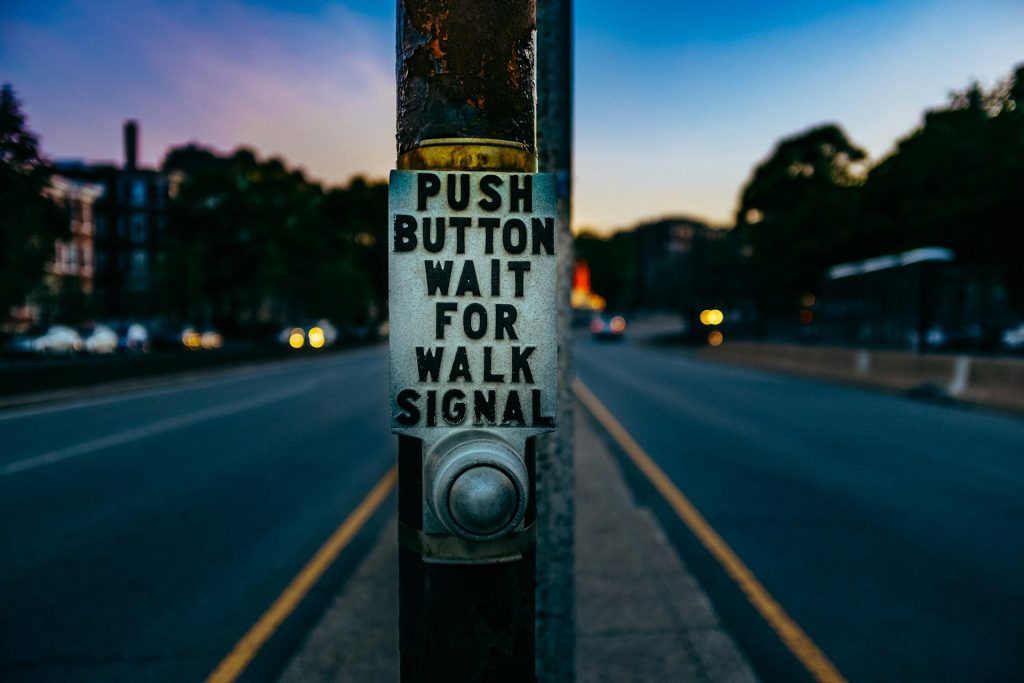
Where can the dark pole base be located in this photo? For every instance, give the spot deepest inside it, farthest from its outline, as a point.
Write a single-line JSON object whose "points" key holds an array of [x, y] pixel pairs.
{"points": [[461, 622]]}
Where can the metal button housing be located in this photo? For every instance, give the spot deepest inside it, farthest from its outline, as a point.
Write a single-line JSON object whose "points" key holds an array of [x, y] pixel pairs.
{"points": [[478, 487]]}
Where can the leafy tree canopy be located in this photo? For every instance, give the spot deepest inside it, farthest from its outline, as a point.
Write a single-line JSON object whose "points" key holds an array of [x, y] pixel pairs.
{"points": [[29, 221], [956, 180], [798, 207], [251, 236]]}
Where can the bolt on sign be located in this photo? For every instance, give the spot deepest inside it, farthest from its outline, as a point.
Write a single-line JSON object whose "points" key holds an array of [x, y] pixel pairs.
{"points": [[473, 304]]}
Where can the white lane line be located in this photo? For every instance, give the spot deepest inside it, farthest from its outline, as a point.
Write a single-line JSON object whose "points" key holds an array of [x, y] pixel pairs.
{"points": [[163, 386], [158, 427]]}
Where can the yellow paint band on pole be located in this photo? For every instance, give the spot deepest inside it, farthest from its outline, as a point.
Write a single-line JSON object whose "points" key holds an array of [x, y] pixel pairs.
{"points": [[792, 636], [232, 666]]}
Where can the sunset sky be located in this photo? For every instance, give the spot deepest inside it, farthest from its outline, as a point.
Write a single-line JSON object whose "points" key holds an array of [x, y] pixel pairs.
{"points": [[675, 101]]}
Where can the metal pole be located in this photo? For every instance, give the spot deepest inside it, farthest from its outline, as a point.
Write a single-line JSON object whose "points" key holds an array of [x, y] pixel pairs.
{"points": [[556, 591], [465, 72]]}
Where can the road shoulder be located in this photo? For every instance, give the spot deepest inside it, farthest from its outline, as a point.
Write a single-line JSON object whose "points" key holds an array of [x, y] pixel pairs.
{"points": [[641, 614]]}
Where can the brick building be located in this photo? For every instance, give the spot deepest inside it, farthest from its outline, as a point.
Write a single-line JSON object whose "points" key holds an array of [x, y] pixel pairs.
{"points": [[69, 276], [130, 230]]}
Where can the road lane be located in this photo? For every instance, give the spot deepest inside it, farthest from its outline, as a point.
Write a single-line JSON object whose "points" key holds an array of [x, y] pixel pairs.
{"points": [[160, 426], [147, 558], [891, 530], [27, 429]]}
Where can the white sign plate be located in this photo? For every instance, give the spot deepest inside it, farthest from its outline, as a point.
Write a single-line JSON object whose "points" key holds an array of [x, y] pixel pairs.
{"points": [[473, 304]]}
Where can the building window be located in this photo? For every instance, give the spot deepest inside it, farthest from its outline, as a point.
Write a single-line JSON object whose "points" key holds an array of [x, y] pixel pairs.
{"points": [[162, 191], [140, 261], [139, 231], [139, 193]]}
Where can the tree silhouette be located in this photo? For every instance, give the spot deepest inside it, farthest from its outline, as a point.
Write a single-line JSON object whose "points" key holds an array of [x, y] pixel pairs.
{"points": [[799, 211], [29, 221], [956, 182], [251, 239]]}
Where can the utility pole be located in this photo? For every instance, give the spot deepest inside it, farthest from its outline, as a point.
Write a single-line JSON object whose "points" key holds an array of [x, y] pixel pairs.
{"points": [[556, 589], [473, 266]]}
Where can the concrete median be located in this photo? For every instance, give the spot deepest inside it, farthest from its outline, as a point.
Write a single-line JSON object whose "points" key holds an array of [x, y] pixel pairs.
{"points": [[991, 382]]}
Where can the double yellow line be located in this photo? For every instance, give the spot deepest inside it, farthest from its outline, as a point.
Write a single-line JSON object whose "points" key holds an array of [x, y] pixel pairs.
{"points": [[245, 650], [794, 638]]}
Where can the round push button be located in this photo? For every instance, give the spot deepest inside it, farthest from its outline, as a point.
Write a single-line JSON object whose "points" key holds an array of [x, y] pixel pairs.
{"points": [[483, 500]]}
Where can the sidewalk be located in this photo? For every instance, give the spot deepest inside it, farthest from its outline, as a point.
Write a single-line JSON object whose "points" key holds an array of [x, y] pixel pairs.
{"points": [[640, 615]]}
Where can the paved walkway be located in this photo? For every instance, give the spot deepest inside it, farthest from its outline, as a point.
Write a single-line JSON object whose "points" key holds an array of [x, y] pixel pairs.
{"points": [[641, 616]]}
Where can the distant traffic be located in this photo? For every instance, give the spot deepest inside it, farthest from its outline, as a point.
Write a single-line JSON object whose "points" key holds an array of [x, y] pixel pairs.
{"points": [[136, 337]]}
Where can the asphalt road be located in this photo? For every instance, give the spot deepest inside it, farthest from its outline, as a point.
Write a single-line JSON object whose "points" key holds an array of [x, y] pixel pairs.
{"points": [[890, 530], [142, 534]]}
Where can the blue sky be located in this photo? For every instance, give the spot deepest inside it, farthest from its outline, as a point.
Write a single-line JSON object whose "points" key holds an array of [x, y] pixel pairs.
{"points": [[675, 101]]}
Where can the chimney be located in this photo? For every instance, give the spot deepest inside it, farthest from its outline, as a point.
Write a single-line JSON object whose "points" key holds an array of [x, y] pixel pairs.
{"points": [[131, 144]]}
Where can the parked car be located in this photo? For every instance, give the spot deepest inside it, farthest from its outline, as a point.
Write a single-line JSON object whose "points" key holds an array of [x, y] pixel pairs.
{"points": [[1013, 338], [936, 338], [58, 339], [22, 344], [170, 335], [99, 339], [210, 339], [132, 337], [194, 339], [191, 338]]}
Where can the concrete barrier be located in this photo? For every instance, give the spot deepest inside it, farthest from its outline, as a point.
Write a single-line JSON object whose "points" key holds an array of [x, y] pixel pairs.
{"points": [[905, 371], [994, 382]]}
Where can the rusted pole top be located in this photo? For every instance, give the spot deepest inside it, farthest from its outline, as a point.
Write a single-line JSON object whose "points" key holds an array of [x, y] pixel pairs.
{"points": [[466, 85]]}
